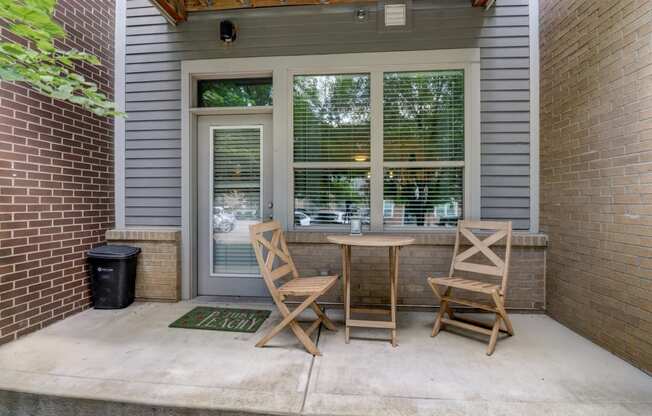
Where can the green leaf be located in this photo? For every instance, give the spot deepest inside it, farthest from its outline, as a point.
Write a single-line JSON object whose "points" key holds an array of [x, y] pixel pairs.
{"points": [[45, 46], [64, 92], [12, 49], [47, 69], [9, 74]]}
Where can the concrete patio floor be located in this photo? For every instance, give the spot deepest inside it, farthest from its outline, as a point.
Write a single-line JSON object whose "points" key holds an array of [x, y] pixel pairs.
{"points": [[128, 362]]}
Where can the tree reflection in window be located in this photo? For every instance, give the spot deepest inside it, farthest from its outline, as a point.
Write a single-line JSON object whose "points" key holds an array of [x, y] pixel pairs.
{"points": [[247, 92], [331, 118]]}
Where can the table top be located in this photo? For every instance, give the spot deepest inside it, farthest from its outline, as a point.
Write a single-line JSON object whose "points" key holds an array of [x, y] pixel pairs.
{"points": [[371, 240]]}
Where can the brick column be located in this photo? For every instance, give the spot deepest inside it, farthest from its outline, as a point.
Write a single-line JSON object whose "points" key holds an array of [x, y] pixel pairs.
{"points": [[158, 276]]}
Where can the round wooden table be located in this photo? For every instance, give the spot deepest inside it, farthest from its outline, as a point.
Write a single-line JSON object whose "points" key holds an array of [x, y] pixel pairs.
{"points": [[394, 243]]}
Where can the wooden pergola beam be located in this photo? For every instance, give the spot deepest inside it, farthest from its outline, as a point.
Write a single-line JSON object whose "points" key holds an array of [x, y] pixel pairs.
{"points": [[483, 3], [173, 10], [213, 5]]}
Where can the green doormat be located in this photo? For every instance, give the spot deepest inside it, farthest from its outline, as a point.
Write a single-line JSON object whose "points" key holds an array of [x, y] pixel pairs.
{"points": [[222, 319]]}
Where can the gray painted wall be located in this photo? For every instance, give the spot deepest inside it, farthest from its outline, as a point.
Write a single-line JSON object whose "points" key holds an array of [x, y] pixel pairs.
{"points": [[155, 49]]}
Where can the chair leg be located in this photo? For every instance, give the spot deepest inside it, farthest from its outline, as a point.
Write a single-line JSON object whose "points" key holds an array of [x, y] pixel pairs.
{"points": [[508, 325], [437, 326], [289, 318], [500, 306], [321, 315], [449, 310], [304, 338], [443, 308], [494, 335]]}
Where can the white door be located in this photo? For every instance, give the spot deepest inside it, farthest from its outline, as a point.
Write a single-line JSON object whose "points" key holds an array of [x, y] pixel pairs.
{"points": [[234, 191]]}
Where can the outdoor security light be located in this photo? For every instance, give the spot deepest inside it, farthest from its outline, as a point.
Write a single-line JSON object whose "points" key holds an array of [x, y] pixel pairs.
{"points": [[228, 31]]}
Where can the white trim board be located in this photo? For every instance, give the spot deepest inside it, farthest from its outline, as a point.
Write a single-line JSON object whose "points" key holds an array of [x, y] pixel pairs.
{"points": [[119, 129], [534, 115], [281, 68]]}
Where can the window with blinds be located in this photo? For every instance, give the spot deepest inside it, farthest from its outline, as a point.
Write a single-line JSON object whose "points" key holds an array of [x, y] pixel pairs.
{"points": [[423, 116], [423, 147], [332, 145], [236, 197], [331, 115], [423, 197], [330, 196], [422, 164]]}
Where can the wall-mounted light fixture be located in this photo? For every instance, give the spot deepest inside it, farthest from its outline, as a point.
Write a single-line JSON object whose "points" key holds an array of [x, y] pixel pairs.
{"points": [[228, 31], [361, 15]]}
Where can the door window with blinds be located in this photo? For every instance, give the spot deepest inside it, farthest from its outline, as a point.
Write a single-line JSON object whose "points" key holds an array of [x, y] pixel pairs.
{"points": [[236, 197], [420, 169]]}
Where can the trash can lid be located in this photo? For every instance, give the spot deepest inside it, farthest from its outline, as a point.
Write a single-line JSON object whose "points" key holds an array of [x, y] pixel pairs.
{"points": [[113, 252]]}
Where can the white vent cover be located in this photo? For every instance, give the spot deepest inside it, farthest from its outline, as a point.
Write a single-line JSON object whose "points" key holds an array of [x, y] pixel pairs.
{"points": [[395, 15]]}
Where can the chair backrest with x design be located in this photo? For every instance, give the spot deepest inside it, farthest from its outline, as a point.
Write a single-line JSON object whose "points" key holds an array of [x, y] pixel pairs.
{"points": [[272, 253], [494, 265]]}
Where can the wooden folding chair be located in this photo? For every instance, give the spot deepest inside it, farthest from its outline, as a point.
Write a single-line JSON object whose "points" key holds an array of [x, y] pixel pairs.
{"points": [[275, 263], [493, 266]]}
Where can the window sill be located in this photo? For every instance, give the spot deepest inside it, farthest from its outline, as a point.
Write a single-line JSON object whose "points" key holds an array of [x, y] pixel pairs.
{"points": [[434, 238]]}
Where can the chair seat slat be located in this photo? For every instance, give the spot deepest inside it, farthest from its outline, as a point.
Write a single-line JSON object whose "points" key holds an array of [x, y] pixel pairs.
{"points": [[467, 284]]}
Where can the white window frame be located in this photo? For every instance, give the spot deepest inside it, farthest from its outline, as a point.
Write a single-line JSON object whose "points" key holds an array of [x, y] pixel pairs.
{"points": [[281, 67], [376, 164]]}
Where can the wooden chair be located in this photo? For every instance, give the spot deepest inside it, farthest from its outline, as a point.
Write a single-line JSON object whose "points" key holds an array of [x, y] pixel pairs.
{"points": [[495, 266], [275, 263]]}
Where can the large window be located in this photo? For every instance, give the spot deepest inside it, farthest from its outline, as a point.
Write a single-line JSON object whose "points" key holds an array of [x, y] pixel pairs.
{"points": [[423, 146], [332, 142], [331, 118], [420, 169]]}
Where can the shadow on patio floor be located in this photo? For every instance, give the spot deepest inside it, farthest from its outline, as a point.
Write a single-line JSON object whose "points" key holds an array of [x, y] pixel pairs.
{"points": [[129, 358]]}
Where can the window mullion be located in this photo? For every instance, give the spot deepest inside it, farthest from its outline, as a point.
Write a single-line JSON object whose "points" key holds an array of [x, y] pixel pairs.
{"points": [[376, 180]]}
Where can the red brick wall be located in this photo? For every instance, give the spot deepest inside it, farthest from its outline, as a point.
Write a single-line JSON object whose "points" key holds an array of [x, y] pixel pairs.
{"points": [[596, 170], [56, 184]]}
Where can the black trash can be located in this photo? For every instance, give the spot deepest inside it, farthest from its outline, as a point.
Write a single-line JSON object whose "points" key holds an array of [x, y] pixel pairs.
{"points": [[113, 275]]}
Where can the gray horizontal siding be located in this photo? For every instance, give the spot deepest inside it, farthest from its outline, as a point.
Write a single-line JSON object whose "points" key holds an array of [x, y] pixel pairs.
{"points": [[155, 49]]}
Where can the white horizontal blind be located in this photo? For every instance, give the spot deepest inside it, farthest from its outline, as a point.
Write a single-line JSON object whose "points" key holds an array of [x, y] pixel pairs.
{"points": [[331, 118], [236, 198], [423, 116], [423, 147]]}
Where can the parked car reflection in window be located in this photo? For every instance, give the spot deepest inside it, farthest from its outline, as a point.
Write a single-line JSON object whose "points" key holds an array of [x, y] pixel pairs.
{"points": [[223, 222]]}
